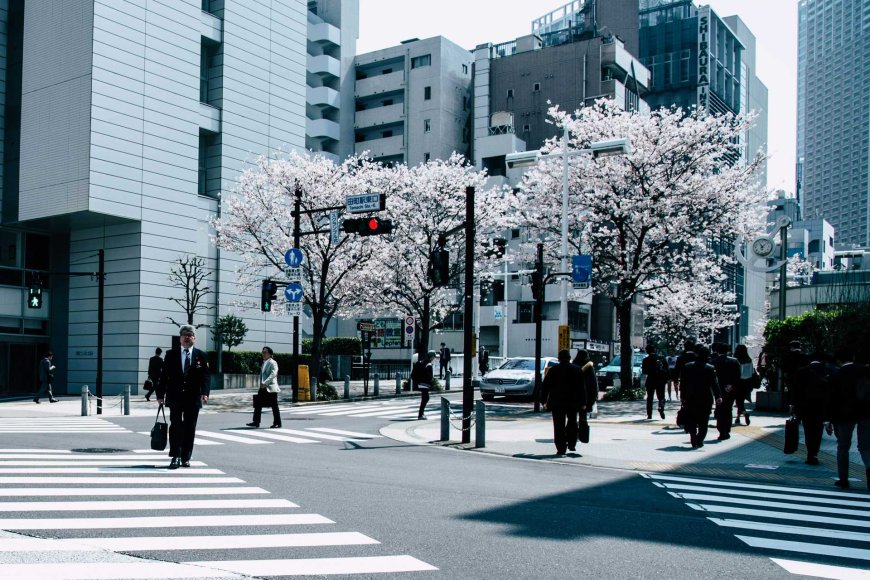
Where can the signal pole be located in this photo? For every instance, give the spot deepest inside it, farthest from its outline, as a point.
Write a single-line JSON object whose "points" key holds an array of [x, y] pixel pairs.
{"points": [[468, 316]]}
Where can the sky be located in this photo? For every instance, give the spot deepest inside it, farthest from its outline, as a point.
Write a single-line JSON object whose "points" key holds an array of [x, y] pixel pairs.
{"points": [[385, 23]]}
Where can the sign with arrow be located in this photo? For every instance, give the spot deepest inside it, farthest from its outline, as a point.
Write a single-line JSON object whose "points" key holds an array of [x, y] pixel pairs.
{"points": [[293, 292]]}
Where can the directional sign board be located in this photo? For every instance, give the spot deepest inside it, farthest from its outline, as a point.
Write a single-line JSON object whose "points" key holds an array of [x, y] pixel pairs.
{"points": [[294, 274], [294, 308], [334, 228], [294, 258], [366, 202], [581, 271], [293, 292], [365, 326]]}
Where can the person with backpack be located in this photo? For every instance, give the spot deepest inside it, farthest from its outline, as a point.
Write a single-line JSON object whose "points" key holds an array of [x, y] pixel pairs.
{"points": [[423, 374], [655, 369], [749, 381], [849, 408], [443, 361], [809, 395]]}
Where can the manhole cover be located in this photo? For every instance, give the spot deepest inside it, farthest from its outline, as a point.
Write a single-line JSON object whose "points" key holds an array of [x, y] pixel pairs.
{"points": [[100, 450]]}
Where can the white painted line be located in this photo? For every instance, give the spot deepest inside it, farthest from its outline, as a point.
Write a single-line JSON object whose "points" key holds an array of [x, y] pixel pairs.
{"points": [[115, 491], [159, 543], [108, 479], [316, 435], [393, 414], [110, 571], [801, 518], [89, 463], [126, 505], [321, 566], [59, 430], [793, 530], [760, 494], [772, 504], [760, 466], [162, 522], [822, 570], [234, 438], [64, 451], [743, 485], [196, 441], [101, 456], [360, 409], [340, 432], [807, 548], [126, 470], [270, 435], [320, 409]]}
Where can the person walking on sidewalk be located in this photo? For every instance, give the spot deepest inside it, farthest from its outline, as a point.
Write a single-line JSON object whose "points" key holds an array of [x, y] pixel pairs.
{"points": [[443, 360], [848, 409], [562, 389], [184, 387], [155, 367], [685, 357], [423, 375], [655, 369], [590, 385], [483, 360], [808, 397], [728, 376], [699, 389], [673, 386], [749, 380], [46, 378], [267, 395]]}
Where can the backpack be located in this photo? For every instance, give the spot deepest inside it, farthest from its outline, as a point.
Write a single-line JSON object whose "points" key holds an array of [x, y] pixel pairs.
{"points": [[816, 382], [418, 371], [662, 369]]}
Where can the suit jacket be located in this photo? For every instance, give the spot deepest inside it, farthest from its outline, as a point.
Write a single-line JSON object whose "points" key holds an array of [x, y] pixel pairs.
{"points": [[155, 367], [563, 388], [269, 375], [727, 374], [177, 388], [699, 387], [46, 371]]}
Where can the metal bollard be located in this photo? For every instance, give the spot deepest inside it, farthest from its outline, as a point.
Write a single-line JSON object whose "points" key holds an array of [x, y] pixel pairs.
{"points": [[313, 383], [85, 401], [479, 424], [447, 380], [445, 419], [347, 386], [398, 384], [377, 384], [127, 400]]}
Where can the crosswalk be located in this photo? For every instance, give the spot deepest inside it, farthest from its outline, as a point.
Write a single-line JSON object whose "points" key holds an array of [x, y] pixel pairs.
{"points": [[250, 436], [137, 513], [798, 522], [382, 409], [58, 425]]}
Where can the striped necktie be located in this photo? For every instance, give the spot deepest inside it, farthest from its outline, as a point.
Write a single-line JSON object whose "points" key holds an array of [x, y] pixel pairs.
{"points": [[186, 360]]}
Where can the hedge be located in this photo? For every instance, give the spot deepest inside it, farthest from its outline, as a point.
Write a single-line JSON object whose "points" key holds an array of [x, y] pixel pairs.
{"points": [[250, 362], [338, 345]]}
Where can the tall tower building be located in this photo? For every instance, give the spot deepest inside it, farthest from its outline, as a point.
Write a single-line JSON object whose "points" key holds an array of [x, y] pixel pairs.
{"points": [[833, 124]]}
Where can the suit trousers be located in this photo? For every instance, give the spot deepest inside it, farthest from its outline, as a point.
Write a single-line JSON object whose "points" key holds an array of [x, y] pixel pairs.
{"points": [[724, 413], [270, 399], [814, 423], [182, 430], [659, 391], [45, 389], [844, 430], [696, 426], [564, 428]]}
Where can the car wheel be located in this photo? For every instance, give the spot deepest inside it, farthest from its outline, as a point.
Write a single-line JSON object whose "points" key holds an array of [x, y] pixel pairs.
{"points": [[487, 397]]}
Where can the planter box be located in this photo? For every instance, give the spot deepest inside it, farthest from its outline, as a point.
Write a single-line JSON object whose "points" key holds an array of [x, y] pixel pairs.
{"points": [[229, 381], [769, 401]]}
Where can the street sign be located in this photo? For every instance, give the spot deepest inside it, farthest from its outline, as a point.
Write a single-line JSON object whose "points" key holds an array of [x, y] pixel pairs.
{"points": [[498, 312], [294, 308], [366, 202], [564, 337], [581, 271], [294, 258], [334, 228], [365, 326], [293, 292], [294, 274]]}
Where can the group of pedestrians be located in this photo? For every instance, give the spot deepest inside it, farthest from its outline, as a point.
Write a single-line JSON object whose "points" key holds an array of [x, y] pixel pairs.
{"points": [[569, 391]]}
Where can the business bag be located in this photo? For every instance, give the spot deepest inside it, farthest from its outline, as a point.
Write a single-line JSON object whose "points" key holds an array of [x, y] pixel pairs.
{"points": [[792, 435], [160, 431], [583, 431]]}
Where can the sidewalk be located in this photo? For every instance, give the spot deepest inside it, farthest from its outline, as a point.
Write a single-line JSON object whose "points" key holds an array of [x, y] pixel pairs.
{"points": [[622, 438]]}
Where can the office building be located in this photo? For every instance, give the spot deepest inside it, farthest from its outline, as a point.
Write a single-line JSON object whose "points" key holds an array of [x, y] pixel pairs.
{"points": [[833, 124]]}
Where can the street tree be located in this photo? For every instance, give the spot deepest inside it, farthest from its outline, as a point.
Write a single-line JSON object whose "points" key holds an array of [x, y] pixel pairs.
{"points": [[257, 225], [683, 308], [231, 330], [653, 217], [190, 274]]}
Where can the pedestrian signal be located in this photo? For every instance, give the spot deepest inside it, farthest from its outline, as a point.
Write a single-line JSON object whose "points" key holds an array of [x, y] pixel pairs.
{"points": [[34, 297], [439, 267], [268, 293]]}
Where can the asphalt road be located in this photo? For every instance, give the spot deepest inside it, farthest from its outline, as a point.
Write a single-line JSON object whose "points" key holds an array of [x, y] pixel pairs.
{"points": [[434, 512]]}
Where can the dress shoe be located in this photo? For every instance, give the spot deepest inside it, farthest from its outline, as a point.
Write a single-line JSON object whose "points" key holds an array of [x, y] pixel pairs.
{"points": [[175, 463], [812, 461], [723, 437], [36, 401], [842, 483], [275, 426], [52, 400], [421, 418], [185, 464], [662, 413], [255, 425], [746, 418]]}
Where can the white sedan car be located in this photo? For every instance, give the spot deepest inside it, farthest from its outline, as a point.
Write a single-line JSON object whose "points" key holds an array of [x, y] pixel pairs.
{"points": [[514, 378]]}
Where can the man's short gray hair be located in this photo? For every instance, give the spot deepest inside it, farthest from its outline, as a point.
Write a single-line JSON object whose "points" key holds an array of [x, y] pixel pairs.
{"points": [[187, 328]]}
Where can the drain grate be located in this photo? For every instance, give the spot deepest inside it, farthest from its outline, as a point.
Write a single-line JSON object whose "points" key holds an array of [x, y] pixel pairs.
{"points": [[99, 450]]}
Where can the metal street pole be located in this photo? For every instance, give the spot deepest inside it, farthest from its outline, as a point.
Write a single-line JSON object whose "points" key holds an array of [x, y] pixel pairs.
{"points": [[539, 318], [504, 319], [101, 300], [783, 255], [468, 316], [563, 285], [297, 235]]}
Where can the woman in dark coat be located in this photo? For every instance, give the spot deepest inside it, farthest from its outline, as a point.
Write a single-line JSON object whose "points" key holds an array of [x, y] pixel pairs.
{"points": [[699, 389]]}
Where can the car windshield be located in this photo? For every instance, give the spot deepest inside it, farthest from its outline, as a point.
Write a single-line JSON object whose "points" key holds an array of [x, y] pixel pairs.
{"points": [[617, 360], [518, 364]]}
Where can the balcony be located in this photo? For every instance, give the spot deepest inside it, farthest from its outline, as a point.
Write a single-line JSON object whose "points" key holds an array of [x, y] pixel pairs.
{"points": [[323, 97], [378, 84], [386, 147], [322, 129], [210, 27], [379, 116], [324, 33], [209, 118], [619, 62], [324, 65]]}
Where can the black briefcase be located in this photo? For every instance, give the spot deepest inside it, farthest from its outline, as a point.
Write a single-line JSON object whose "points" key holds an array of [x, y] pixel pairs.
{"points": [[792, 435], [583, 431], [160, 431]]}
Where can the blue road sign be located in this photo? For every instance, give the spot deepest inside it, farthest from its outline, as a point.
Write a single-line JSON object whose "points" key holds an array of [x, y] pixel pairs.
{"points": [[293, 292], [581, 269], [294, 258]]}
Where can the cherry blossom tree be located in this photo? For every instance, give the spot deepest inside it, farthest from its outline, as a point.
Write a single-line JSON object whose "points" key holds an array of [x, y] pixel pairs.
{"points": [[798, 271], [649, 217], [689, 308]]}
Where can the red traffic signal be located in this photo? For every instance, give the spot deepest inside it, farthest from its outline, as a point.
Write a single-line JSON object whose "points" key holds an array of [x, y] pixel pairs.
{"points": [[368, 226]]}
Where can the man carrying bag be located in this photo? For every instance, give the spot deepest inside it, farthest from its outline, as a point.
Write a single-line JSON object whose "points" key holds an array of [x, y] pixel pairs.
{"points": [[160, 431]]}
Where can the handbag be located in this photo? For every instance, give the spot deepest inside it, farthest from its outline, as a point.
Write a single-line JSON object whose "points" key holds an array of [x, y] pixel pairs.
{"points": [[160, 431], [681, 418], [792, 426], [583, 432]]}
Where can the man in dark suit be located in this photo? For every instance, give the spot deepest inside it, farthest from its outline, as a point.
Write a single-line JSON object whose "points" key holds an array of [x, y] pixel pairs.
{"points": [[565, 395], [184, 388], [155, 368], [728, 377]]}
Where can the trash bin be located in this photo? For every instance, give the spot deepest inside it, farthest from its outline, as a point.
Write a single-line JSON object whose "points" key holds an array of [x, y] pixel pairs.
{"points": [[304, 383]]}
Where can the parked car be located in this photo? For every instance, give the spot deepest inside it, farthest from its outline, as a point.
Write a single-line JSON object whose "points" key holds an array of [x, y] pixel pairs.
{"points": [[514, 378], [609, 376]]}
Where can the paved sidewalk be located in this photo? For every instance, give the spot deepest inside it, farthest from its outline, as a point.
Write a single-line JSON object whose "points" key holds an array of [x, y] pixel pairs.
{"points": [[622, 438]]}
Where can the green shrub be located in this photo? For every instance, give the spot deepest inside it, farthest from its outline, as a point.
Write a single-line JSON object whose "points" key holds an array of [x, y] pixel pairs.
{"points": [[620, 394], [250, 362], [337, 345], [326, 392]]}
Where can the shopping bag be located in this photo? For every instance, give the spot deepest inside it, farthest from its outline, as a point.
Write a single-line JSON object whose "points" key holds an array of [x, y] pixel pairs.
{"points": [[792, 435], [583, 432], [160, 431]]}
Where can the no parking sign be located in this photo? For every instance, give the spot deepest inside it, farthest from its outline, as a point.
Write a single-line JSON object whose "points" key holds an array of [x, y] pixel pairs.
{"points": [[410, 324]]}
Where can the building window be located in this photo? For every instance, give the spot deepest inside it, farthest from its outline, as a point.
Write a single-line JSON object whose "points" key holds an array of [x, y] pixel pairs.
{"points": [[510, 93], [387, 134], [426, 158], [526, 312], [427, 125], [465, 69], [208, 175], [427, 93], [527, 128], [536, 87], [424, 60]]}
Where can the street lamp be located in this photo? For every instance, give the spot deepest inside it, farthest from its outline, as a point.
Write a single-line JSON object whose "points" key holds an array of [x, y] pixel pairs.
{"points": [[606, 148]]}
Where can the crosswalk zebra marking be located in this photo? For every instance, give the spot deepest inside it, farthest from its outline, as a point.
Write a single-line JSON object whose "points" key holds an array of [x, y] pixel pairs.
{"points": [[321, 566], [113, 491], [792, 530], [144, 470], [92, 463], [273, 519], [234, 438], [822, 570], [790, 497], [769, 504], [806, 547], [742, 485], [112, 571], [736, 511], [348, 433], [107, 479], [316, 435], [126, 505], [270, 434]]}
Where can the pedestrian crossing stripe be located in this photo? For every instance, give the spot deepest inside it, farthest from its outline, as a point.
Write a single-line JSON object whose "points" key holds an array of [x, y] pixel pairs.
{"points": [[385, 409], [762, 510], [50, 425], [252, 436]]}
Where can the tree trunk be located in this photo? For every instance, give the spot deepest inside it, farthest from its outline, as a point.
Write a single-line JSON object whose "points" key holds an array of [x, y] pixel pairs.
{"points": [[623, 309], [424, 330], [316, 343]]}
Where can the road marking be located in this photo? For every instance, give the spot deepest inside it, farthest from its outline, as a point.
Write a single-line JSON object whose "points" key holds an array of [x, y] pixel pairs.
{"points": [[779, 515], [321, 566], [101, 456], [807, 548], [234, 438], [108, 479], [137, 491], [822, 570], [782, 496], [143, 470], [393, 414], [110, 571], [127, 505], [162, 522], [769, 504], [316, 435], [340, 432], [330, 408], [270, 435], [90, 463], [794, 530], [196, 441], [742, 485], [360, 409]]}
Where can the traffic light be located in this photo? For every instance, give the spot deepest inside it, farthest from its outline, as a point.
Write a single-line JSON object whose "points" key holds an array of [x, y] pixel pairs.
{"points": [[537, 285], [34, 297], [372, 226], [439, 267], [268, 293]]}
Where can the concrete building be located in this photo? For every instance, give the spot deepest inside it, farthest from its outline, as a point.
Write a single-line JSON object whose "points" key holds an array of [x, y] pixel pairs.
{"points": [[123, 123], [412, 101], [833, 173], [811, 239]]}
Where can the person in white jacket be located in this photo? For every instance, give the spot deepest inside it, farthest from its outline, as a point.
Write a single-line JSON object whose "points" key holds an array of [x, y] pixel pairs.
{"points": [[267, 396]]}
